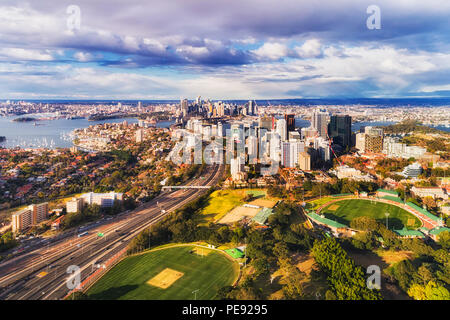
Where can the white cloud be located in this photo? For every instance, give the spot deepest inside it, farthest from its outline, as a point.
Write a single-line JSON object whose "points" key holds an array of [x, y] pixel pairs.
{"points": [[310, 49], [435, 88], [271, 51], [83, 56], [20, 54]]}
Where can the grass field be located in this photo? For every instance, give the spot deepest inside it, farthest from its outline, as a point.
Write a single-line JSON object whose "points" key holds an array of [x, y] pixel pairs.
{"points": [[257, 192], [220, 202], [318, 202], [129, 280], [346, 210]]}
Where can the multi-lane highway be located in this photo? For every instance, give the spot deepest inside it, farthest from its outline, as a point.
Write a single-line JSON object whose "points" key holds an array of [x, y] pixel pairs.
{"points": [[42, 272]]}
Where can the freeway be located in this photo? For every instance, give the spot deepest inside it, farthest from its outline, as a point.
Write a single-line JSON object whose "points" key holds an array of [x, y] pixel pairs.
{"points": [[42, 272]]}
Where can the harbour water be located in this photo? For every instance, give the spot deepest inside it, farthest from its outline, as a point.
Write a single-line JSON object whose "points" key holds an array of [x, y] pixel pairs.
{"points": [[301, 123], [56, 133], [49, 133]]}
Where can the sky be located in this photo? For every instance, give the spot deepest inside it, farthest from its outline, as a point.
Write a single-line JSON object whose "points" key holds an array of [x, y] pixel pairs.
{"points": [[223, 49]]}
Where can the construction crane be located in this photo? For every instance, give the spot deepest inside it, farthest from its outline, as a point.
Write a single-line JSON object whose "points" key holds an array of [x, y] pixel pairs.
{"points": [[334, 153]]}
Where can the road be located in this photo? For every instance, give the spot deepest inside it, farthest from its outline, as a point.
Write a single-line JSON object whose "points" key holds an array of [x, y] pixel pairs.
{"points": [[42, 272]]}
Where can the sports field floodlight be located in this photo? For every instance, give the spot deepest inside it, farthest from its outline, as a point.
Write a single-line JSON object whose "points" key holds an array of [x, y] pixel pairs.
{"points": [[195, 293]]}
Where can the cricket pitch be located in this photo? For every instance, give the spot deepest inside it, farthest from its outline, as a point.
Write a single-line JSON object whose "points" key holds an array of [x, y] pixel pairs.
{"points": [[165, 278]]}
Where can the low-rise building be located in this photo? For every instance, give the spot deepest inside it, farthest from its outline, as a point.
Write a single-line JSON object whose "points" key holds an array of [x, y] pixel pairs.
{"points": [[412, 171], [409, 233], [434, 192], [346, 172], [56, 225]]}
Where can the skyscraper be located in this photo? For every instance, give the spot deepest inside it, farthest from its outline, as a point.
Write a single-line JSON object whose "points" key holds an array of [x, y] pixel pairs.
{"points": [[252, 149], [237, 165], [265, 123], [340, 130], [290, 153], [282, 129], [290, 122], [184, 107], [320, 122]]}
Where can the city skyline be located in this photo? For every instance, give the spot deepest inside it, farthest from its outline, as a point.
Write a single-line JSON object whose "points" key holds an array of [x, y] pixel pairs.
{"points": [[264, 51]]}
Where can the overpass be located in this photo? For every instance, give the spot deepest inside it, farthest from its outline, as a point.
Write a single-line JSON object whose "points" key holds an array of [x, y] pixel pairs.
{"points": [[186, 187]]}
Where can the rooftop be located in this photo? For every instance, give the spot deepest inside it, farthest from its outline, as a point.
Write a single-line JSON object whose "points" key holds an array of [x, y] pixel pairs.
{"points": [[262, 216], [423, 211], [436, 231], [409, 233], [326, 221]]}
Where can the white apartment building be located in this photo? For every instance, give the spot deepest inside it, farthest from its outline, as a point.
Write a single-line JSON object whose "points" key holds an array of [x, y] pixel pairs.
{"points": [[32, 215], [74, 205], [22, 220], [393, 148], [104, 200]]}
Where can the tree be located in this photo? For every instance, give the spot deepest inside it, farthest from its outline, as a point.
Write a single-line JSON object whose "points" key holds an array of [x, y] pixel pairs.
{"points": [[429, 202], [281, 250], [403, 272], [329, 295], [432, 291], [444, 239], [364, 223], [293, 288], [345, 278], [424, 273], [435, 291], [262, 267], [417, 292]]}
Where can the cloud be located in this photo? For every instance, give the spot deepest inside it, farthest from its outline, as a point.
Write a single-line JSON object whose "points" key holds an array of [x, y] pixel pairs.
{"points": [[83, 56], [310, 49], [271, 51], [20, 54], [260, 48]]}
